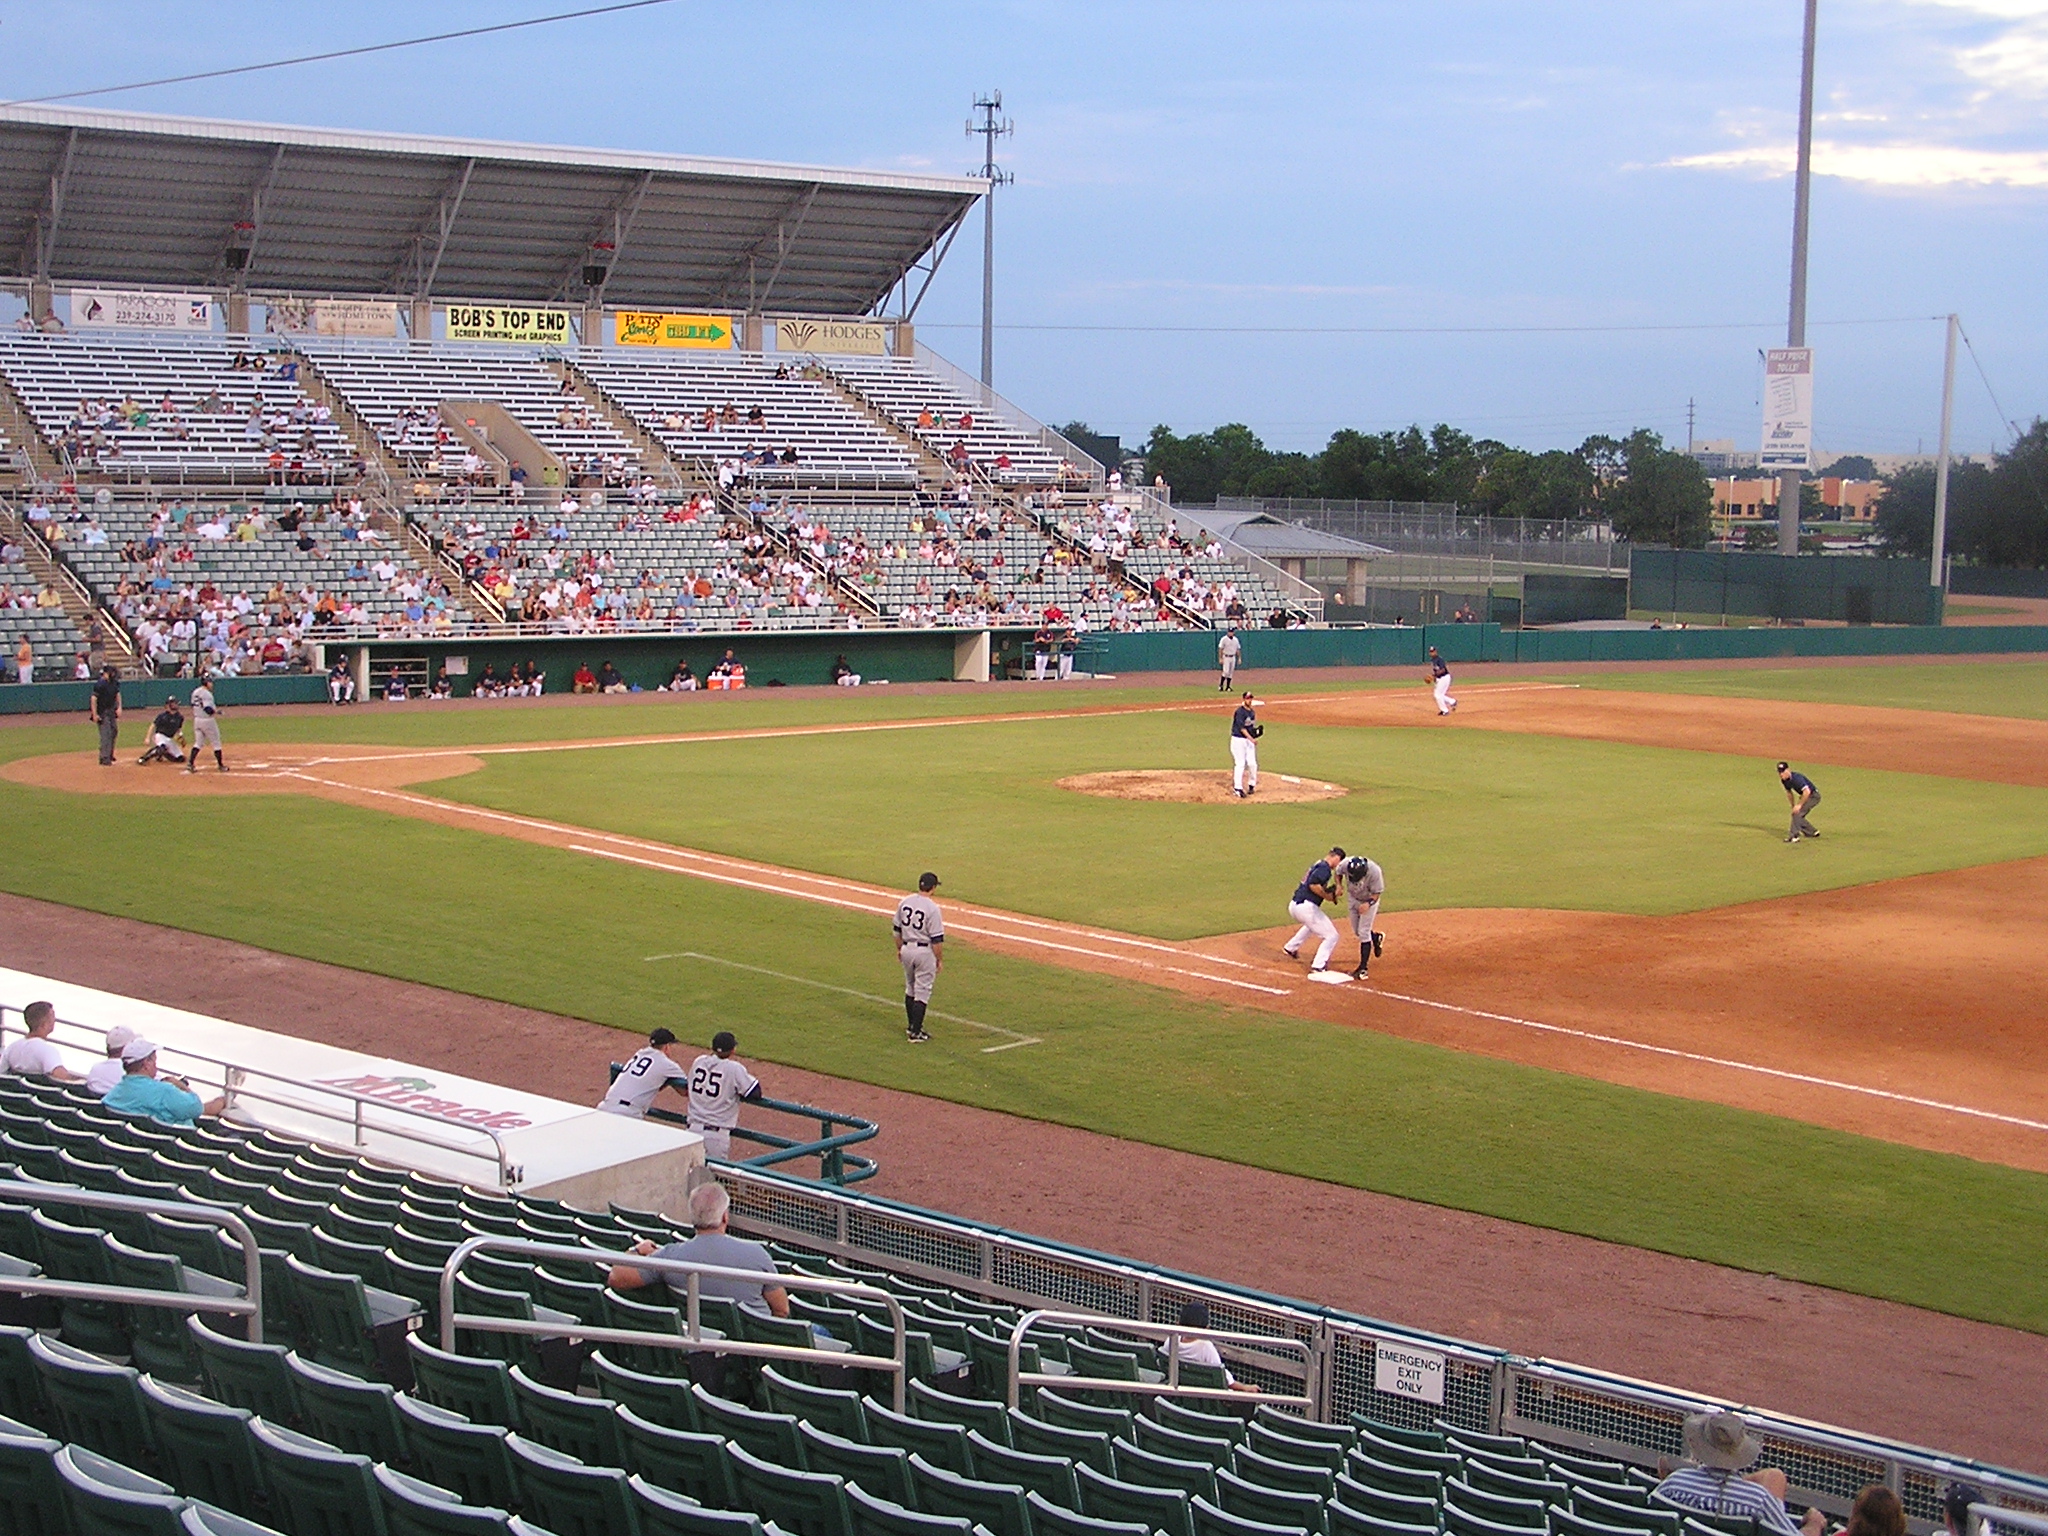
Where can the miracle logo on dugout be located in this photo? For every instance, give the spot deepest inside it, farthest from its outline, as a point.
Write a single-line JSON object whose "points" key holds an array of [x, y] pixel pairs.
{"points": [[416, 1093]]}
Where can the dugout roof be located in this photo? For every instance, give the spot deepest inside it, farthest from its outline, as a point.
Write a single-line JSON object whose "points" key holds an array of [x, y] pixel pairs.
{"points": [[147, 201]]}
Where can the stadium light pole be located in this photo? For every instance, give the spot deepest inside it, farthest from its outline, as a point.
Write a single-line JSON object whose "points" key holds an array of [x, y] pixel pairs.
{"points": [[1948, 405], [1795, 325], [991, 127]]}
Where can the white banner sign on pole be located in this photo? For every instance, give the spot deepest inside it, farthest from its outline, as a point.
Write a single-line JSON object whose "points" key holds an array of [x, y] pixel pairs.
{"points": [[125, 309], [1400, 1370], [1788, 409]]}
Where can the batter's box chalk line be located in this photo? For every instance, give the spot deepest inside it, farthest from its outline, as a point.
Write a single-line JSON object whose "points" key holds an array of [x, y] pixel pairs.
{"points": [[1012, 1039]]}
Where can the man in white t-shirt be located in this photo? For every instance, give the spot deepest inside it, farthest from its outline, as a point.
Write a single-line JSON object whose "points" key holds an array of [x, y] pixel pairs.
{"points": [[718, 1086], [35, 1054], [1203, 1351], [649, 1070], [101, 1076]]}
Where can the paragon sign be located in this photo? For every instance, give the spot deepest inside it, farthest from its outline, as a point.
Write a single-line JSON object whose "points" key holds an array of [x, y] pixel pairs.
{"points": [[129, 310], [632, 328]]}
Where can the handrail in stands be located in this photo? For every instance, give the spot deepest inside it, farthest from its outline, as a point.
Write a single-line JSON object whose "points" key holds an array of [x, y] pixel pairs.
{"points": [[692, 1338], [249, 1304], [1989, 1517], [1173, 1333], [835, 1164]]}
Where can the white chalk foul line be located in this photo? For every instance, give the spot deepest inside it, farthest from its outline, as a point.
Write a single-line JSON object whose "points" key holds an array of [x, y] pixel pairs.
{"points": [[1015, 1039], [1719, 1061]]}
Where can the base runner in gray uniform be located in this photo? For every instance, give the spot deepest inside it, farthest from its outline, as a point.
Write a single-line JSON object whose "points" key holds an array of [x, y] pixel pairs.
{"points": [[1364, 884], [920, 943]]}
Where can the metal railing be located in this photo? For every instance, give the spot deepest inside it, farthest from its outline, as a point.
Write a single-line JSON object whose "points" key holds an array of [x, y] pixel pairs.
{"points": [[693, 1338], [248, 1305], [1053, 442], [1297, 592], [351, 1110], [1170, 1386], [1989, 1519]]}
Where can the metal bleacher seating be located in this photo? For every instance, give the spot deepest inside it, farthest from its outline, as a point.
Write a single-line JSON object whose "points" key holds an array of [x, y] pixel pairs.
{"points": [[905, 390], [344, 1421], [210, 435], [835, 444]]}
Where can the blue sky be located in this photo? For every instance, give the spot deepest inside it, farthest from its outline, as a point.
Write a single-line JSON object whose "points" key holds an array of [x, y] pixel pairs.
{"points": [[1303, 172]]}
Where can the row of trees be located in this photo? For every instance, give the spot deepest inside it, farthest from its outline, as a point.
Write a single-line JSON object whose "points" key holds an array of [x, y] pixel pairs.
{"points": [[1650, 493], [1996, 515]]}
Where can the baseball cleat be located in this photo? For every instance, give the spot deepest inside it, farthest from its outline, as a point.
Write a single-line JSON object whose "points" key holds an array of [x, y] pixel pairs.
{"points": [[1793, 838], [1359, 973], [917, 1037], [1813, 834], [1239, 793], [1292, 954], [1379, 943]]}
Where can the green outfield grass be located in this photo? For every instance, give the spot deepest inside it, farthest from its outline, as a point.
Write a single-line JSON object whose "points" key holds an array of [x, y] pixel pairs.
{"points": [[1459, 818], [2018, 689], [556, 931]]}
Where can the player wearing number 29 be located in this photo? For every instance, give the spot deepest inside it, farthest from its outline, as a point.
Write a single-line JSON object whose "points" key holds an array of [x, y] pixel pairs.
{"points": [[646, 1072], [718, 1086], [920, 944]]}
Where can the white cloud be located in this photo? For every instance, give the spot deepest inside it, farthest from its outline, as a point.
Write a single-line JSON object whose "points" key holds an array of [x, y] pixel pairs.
{"points": [[1885, 165]]}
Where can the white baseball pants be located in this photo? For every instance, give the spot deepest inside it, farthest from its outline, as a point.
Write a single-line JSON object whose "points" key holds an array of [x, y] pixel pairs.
{"points": [[717, 1139], [1244, 759], [1314, 920], [1442, 689]]}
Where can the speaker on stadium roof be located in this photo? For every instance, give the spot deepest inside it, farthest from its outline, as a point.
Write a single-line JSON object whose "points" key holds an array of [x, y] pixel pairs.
{"points": [[593, 274]]}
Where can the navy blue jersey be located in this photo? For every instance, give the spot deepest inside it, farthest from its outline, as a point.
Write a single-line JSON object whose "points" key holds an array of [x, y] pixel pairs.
{"points": [[1318, 874], [1799, 783], [1438, 667], [1241, 719]]}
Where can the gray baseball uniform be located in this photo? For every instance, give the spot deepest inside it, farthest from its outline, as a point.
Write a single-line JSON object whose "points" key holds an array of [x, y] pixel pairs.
{"points": [[1362, 896], [918, 926], [205, 720]]}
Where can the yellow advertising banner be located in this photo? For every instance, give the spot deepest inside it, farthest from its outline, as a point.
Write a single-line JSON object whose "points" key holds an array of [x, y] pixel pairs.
{"points": [[529, 326], [862, 337], [635, 329]]}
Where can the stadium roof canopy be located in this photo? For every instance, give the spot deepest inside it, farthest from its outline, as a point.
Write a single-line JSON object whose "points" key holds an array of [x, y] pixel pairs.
{"points": [[145, 201]]}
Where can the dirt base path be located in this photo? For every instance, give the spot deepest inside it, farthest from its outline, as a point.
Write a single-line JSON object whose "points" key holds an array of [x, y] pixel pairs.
{"points": [[1752, 1338], [1914, 1010]]}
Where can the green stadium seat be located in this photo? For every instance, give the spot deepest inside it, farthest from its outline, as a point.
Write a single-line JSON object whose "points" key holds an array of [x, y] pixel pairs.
{"points": [[411, 1246], [1530, 1514], [350, 1325], [928, 1402], [1052, 1477], [567, 1498], [584, 1427], [924, 1359], [1469, 1440], [200, 1518], [1049, 1519], [1168, 1414], [1294, 1476], [1481, 1467], [288, 1207], [770, 1435], [943, 1445], [1159, 1509], [1620, 1509], [616, 1311], [418, 1283], [203, 1447], [363, 1260], [1090, 1446], [108, 1499], [69, 1252], [666, 1513], [502, 1274], [414, 1507], [245, 1375], [479, 1390], [35, 1504], [581, 1299], [424, 1222], [94, 1402], [1071, 1413], [1134, 1464], [316, 1489], [1211, 1520], [1464, 1522], [988, 1358], [1567, 1522], [1579, 1470], [348, 1412], [883, 1470], [1268, 1506], [340, 1221], [1343, 1520], [997, 1507], [831, 1410], [877, 1516], [1697, 1524], [1409, 1481], [1283, 1423], [470, 1460], [21, 1387], [196, 1243], [1162, 1441], [801, 1503], [680, 1460], [159, 1341], [513, 1348], [1325, 1454], [661, 1399], [1395, 1453], [1400, 1434]]}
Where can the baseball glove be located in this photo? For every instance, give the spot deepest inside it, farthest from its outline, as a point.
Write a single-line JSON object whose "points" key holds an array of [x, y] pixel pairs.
{"points": [[1255, 730]]}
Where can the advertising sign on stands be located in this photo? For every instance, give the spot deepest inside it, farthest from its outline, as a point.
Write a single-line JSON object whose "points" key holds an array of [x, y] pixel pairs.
{"points": [[1788, 409], [332, 317], [631, 328], [533, 327], [120, 309], [857, 336]]}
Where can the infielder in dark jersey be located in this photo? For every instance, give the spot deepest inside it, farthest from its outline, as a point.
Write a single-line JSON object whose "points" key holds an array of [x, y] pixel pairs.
{"points": [[1800, 790]]}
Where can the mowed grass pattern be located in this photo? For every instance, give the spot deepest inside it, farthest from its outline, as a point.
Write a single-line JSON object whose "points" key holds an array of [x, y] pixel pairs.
{"points": [[2016, 689]]}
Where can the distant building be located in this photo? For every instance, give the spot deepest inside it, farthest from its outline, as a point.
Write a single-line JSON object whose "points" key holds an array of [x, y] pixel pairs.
{"points": [[1717, 456], [1740, 505]]}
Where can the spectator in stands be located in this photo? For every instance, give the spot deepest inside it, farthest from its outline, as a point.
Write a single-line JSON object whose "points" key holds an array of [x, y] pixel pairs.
{"points": [[101, 1076], [710, 1210], [142, 1091], [1876, 1512], [585, 680], [35, 1053], [1203, 1351], [24, 661], [1718, 1446], [608, 679], [1956, 1500]]}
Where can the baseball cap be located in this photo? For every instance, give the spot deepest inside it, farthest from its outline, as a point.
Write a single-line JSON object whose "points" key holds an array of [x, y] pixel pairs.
{"points": [[137, 1049], [1247, 695], [118, 1038], [725, 1040], [927, 881], [662, 1037]]}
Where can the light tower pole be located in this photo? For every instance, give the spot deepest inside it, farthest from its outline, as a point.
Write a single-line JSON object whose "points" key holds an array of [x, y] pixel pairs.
{"points": [[1795, 325], [991, 127]]}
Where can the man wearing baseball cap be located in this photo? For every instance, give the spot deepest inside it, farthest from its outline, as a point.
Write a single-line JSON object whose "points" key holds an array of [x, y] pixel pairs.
{"points": [[920, 935], [101, 1076], [718, 1086], [167, 1099], [646, 1072], [1718, 1446]]}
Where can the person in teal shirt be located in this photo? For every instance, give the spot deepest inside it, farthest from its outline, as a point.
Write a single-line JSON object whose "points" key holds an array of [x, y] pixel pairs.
{"points": [[142, 1092]]}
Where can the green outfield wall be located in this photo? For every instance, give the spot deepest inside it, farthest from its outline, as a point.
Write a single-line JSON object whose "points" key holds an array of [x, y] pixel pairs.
{"points": [[150, 693], [1840, 589]]}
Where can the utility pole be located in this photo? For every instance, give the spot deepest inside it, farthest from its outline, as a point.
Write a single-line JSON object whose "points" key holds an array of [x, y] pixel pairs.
{"points": [[1795, 327], [1691, 409], [992, 126], [1948, 404]]}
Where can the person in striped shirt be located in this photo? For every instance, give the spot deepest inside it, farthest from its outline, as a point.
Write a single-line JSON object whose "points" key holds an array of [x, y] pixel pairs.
{"points": [[1718, 1446]]}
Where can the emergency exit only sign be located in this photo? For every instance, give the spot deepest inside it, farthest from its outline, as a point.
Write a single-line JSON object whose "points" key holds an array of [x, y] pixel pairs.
{"points": [[1402, 1371]]}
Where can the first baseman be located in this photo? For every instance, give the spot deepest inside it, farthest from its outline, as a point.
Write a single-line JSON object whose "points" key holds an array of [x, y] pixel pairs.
{"points": [[1364, 884], [718, 1086], [1228, 649], [920, 944], [1245, 732], [1800, 790], [205, 726], [1317, 886], [1440, 682]]}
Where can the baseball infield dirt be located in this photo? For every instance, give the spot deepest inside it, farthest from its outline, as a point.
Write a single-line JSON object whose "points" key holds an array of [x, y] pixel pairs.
{"points": [[1196, 787]]}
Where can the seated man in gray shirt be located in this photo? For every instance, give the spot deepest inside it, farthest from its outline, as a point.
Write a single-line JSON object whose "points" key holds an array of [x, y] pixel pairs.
{"points": [[709, 1210]]}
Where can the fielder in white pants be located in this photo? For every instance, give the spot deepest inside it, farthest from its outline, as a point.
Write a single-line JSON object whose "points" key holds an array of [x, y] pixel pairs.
{"points": [[1440, 682], [1244, 749], [1317, 886]]}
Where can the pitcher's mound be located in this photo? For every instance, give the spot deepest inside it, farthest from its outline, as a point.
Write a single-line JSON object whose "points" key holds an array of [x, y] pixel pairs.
{"points": [[1198, 786]]}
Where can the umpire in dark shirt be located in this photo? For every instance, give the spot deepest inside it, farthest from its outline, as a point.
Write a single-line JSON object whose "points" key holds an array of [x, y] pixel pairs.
{"points": [[106, 712]]}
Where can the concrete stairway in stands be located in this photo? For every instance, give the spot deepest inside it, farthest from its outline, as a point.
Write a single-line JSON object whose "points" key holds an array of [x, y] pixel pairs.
{"points": [[653, 457]]}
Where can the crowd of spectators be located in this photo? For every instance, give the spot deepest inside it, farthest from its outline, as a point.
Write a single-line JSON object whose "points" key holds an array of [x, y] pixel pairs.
{"points": [[296, 450]]}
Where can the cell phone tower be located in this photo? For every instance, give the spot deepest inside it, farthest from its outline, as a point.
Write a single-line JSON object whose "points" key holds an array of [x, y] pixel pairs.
{"points": [[991, 126]]}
